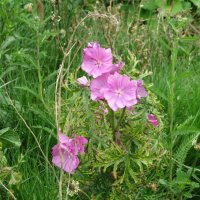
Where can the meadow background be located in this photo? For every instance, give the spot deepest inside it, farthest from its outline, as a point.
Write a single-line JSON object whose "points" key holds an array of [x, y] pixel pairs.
{"points": [[159, 40]]}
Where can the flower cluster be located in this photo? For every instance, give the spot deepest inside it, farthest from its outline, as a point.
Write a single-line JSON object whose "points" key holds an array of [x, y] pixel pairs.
{"points": [[118, 90], [107, 84], [65, 153]]}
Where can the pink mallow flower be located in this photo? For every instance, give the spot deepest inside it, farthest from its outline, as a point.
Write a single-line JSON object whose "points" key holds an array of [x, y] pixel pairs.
{"points": [[83, 81], [117, 67], [64, 159], [96, 60], [141, 92], [65, 153], [120, 91], [152, 119], [79, 143], [97, 87]]}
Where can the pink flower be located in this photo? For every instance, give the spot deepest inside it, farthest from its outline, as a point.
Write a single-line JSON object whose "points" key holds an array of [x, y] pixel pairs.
{"points": [[66, 143], [152, 119], [64, 159], [105, 111], [65, 153], [83, 81], [120, 91], [96, 60], [79, 143], [97, 86], [117, 67], [141, 92], [93, 45]]}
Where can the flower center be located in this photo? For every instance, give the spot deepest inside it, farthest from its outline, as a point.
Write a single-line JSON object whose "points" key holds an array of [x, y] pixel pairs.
{"points": [[119, 92], [98, 63]]}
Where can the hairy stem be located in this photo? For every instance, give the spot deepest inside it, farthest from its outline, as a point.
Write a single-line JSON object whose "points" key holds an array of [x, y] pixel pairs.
{"points": [[116, 134]]}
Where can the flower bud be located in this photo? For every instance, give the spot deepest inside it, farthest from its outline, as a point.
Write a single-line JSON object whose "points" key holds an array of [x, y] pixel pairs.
{"points": [[83, 81], [152, 119]]}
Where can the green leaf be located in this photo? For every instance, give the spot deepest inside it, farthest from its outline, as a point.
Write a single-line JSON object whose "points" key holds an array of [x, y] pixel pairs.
{"points": [[133, 175], [186, 131], [185, 146], [196, 3], [163, 182], [177, 7], [9, 136], [149, 5], [7, 42]]}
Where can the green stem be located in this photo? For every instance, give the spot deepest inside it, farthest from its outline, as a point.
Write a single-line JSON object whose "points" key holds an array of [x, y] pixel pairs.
{"points": [[171, 108], [121, 118], [68, 188], [115, 129], [113, 123], [39, 71], [194, 163]]}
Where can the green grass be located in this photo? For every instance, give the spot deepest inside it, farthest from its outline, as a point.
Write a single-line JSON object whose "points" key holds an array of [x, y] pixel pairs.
{"points": [[164, 51]]}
